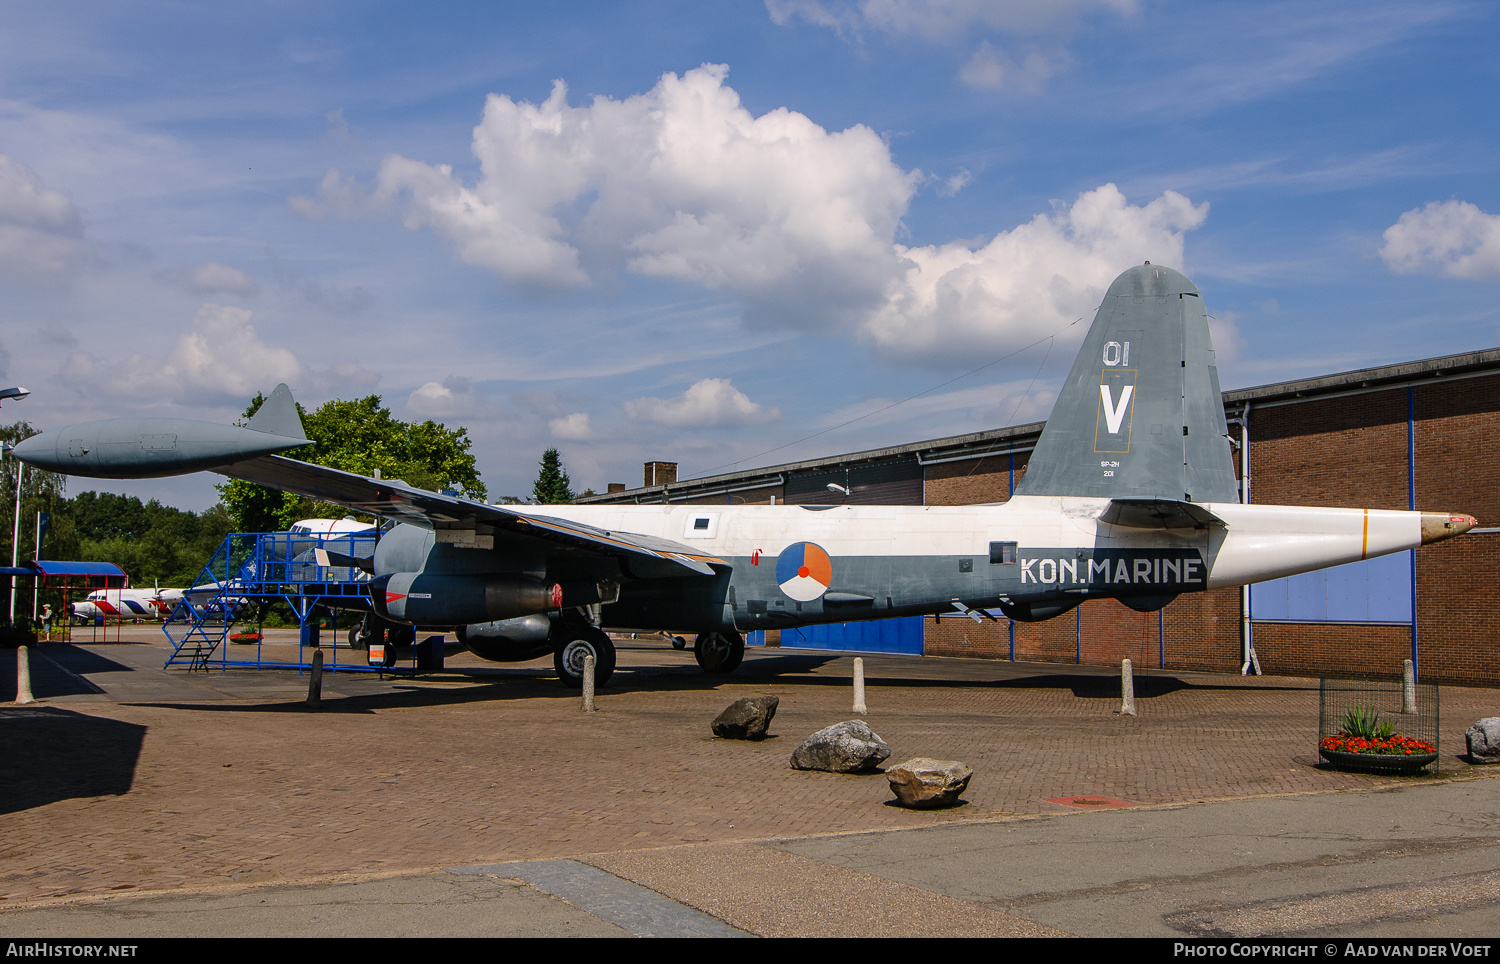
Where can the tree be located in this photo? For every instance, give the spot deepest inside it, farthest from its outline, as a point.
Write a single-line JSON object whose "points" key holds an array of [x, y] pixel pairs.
{"points": [[358, 436], [153, 543], [551, 486]]}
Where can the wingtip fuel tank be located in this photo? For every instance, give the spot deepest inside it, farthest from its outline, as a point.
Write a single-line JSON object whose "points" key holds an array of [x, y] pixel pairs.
{"points": [[147, 448], [1437, 526], [153, 448]]}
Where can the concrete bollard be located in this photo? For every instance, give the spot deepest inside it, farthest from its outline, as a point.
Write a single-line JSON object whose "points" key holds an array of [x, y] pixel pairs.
{"points": [[1127, 689], [1408, 688], [23, 677], [588, 684], [315, 679], [859, 687]]}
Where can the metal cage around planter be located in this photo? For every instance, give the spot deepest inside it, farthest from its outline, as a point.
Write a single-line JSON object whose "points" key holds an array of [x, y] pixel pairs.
{"points": [[1414, 715]]}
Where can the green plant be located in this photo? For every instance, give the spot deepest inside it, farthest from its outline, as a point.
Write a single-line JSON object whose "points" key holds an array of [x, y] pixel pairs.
{"points": [[1361, 721]]}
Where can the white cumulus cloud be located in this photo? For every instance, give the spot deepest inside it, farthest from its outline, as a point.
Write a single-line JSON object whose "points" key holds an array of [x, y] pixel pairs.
{"points": [[800, 223], [1453, 238], [221, 358], [710, 402], [990, 68], [681, 182], [957, 302], [574, 427], [41, 235], [454, 395], [211, 277]]}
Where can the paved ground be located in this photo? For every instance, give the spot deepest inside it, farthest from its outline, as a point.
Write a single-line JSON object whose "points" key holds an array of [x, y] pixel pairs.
{"points": [[482, 801]]}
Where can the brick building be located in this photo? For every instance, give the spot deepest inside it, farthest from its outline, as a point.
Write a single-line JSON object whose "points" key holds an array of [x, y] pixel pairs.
{"points": [[1420, 435]]}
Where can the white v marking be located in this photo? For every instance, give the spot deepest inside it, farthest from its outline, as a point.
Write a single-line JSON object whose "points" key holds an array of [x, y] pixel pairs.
{"points": [[1114, 415]]}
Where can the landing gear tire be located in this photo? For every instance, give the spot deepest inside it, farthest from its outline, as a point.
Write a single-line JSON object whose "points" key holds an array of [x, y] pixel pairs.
{"points": [[678, 642], [364, 632], [578, 643], [719, 652]]}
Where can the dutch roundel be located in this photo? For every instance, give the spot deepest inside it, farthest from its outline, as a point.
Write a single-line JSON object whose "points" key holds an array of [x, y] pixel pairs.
{"points": [[804, 571]]}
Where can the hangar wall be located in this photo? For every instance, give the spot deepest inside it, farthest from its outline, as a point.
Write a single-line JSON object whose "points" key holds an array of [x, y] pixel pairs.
{"points": [[1416, 435]]}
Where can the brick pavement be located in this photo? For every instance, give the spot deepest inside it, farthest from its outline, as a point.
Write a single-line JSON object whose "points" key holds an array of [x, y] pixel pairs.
{"points": [[502, 765]]}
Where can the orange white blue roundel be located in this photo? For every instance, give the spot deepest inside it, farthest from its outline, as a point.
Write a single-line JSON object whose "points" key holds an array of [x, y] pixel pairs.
{"points": [[804, 571]]}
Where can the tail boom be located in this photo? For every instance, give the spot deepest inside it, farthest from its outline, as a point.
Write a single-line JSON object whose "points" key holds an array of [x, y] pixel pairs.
{"points": [[1261, 542]]}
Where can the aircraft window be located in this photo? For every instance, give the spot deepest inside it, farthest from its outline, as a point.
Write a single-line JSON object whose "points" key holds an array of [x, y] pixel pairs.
{"points": [[1002, 553], [700, 523]]}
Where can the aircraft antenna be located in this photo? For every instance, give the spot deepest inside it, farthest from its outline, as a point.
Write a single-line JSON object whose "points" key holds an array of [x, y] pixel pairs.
{"points": [[887, 408]]}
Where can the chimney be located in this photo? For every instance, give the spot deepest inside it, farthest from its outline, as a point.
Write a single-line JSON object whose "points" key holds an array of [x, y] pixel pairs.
{"points": [[661, 473], [615, 487]]}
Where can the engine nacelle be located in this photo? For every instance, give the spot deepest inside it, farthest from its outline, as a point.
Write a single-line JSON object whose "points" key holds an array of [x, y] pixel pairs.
{"points": [[423, 599], [1148, 604], [1038, 610], [508, 640]]}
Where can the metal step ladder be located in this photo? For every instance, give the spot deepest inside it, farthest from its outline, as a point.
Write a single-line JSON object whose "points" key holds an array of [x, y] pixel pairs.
{"points": [[227, 572]]}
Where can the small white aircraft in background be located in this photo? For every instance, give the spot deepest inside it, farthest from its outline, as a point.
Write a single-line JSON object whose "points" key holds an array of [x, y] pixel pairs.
{"points": [[328, 528], [132, 604]]}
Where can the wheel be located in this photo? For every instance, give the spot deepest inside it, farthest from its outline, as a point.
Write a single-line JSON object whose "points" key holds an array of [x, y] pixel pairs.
{"points": [[578, 643], [719, 652], [363, 633], [678, 642]]}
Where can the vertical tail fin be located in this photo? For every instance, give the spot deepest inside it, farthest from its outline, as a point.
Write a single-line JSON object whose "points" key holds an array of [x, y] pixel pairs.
{"points": [[1141, 414], [277, 415]]}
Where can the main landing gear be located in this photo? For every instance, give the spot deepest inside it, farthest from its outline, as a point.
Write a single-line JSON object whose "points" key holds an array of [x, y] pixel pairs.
{"points": [[719, 652], [576, 642]]}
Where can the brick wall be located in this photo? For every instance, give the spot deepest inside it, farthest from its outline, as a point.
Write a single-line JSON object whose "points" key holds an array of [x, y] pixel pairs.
{"points": [[1332, 649], [1458, 468], [973, 481], [1340, 452], [760, 496]]}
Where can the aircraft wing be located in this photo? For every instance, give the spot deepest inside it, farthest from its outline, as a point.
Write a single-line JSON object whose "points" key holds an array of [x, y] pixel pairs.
{"points": [[471, 523]]}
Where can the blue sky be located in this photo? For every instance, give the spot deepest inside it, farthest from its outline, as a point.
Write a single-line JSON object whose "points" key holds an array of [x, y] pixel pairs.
{"points": [[699, 233]]}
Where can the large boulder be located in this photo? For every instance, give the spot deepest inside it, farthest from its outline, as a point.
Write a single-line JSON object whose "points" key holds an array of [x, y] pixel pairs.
{"points": [[746, 719], [924, 784], [848, 747], [1484, 740]]}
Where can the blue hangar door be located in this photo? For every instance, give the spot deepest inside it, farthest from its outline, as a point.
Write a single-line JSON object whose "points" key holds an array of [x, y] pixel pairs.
{"points": [[896, 482], [874, 636]]}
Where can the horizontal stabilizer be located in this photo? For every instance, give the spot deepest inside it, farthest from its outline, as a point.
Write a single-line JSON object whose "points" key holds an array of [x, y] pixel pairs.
{"points": [[1158, 514], [331, 560]]}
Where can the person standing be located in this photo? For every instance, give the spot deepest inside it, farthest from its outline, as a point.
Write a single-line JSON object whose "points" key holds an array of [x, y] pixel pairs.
{"points": [[47, 620]]}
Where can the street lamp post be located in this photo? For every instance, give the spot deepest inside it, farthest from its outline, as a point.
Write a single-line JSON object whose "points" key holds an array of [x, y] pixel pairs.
{"points": [[15, 542], [23, 658]]}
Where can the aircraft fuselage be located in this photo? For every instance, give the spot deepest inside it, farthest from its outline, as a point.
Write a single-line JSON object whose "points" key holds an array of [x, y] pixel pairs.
{"points": [[1032, 557]]}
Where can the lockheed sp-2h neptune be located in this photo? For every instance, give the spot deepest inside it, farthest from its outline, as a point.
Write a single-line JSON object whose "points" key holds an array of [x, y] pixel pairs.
{"points": [[1130, 494]]}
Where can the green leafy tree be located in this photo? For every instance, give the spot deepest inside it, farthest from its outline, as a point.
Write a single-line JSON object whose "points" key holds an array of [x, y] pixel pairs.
{"points": [[551, 486], [153, 543], [358, 436]]}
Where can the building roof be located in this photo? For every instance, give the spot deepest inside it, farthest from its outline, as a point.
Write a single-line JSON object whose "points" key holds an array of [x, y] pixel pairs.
{"points": [[1021, 438], [93, 574]]}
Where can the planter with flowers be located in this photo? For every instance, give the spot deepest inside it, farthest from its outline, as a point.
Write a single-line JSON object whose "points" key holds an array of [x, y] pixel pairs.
{"points": [[1368, 743]]}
